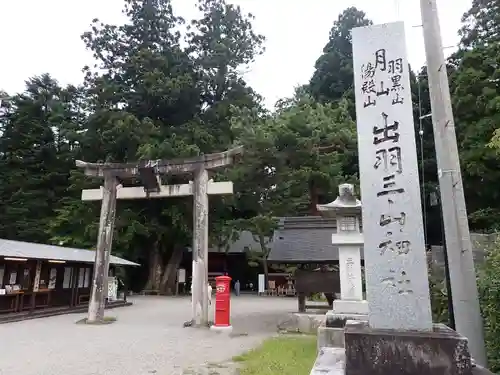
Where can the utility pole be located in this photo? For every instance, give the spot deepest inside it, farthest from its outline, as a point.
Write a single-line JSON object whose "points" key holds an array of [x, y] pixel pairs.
{"points": [[468, 318]]}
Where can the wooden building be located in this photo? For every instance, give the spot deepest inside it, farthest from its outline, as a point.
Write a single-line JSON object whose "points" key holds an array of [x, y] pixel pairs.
{"points": [[306, 243], [234, 262], [35, 277]]}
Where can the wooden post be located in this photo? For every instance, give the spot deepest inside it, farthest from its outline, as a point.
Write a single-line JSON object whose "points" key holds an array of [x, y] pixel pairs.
{"points": [[103, 251], [200, 247], [109, 243], [38, 270], [36, 284], [302, 302]]}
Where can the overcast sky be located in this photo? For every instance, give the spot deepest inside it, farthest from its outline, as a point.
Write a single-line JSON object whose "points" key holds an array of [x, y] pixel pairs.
{"points": [[44, 36]]}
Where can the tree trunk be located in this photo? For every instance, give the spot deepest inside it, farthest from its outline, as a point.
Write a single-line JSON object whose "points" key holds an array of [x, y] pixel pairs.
{"points": [[313, 196], [265, 253], [225, 264], [155, 269], [169, 278], [265, 268]]}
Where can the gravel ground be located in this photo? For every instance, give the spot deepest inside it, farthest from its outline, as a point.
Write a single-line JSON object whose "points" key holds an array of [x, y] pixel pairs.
{"points": [[148, 338]]}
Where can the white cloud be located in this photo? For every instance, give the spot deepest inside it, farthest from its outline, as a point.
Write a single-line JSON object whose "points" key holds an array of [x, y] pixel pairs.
{"points": [[44, 36]]}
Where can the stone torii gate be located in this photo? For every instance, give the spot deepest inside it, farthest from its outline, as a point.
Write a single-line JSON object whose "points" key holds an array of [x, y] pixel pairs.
{"points": [[149, 173]]}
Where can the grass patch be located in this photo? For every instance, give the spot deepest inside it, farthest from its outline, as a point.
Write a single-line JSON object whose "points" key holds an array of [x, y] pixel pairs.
{"points": [[280, 356]]}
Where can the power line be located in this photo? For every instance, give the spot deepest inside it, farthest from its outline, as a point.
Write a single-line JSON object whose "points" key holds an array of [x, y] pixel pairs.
{"points": [[421, 134]]}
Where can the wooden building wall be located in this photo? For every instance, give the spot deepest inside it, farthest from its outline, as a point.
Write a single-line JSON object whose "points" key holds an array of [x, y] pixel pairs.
{"points": [[55, 284]]}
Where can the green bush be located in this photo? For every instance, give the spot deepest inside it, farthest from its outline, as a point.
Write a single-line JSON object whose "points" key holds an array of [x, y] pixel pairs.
{"points": [[439, 295], [317, 297], [488, 280], [489, 296], [439, 299]]}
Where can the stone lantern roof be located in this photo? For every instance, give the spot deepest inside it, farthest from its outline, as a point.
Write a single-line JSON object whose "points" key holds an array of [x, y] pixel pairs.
{"points": [[345, 204]]}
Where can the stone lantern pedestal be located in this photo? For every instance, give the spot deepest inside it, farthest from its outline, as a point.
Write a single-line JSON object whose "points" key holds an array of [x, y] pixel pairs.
{"points": [[351, 304], [349, 239]]}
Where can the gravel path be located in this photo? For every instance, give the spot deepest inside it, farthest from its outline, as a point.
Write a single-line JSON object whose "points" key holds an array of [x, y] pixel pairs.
{"points": [[148, 338]]}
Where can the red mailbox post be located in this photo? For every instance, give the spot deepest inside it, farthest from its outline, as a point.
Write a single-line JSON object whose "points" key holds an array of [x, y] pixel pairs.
{"points": [[222, 303]]}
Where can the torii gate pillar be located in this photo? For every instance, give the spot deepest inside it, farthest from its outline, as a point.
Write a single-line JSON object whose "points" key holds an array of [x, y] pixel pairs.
{"points": [[103, 250], [200, 248]]}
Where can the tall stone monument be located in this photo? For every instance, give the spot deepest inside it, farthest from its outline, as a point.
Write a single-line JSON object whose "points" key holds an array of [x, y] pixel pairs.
{"points": [[348, 238], [399, 336]]}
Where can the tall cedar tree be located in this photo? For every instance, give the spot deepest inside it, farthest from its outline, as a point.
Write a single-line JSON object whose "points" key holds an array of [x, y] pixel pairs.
{"points": [[153, 98]]}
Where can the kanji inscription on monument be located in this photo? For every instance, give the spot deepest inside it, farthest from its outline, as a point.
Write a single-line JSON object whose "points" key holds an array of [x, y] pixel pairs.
{"points": [[396, 269]]}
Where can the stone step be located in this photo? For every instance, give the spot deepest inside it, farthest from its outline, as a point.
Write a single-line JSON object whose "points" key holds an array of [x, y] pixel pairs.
{"points": [[301, 323], [330, 361], [330, 337], [331, 331]]}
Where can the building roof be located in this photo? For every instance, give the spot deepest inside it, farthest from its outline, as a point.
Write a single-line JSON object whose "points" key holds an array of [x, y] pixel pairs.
{"points": [[19, 249], [245, 241], [305, 239]]}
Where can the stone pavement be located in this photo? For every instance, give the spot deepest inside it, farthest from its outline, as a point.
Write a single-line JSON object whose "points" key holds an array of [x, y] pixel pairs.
{"points": [[148, 338]]}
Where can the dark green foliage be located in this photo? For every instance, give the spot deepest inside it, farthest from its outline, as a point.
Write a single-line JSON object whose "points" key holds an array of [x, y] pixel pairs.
{"points": [[489, 294], [296, 158], [37, 129], [481, 24], [333, 78], [439, 299], [476, 99]]}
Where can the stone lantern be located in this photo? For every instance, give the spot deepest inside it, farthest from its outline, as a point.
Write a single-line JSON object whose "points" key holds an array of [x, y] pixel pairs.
{"points": [[349, 239]]}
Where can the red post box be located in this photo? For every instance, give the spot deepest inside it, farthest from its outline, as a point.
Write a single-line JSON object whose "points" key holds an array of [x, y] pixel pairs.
{"points": [[222, 302]]}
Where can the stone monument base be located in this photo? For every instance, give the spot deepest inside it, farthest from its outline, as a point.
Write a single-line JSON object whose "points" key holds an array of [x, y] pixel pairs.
{"points": [[389, 352], [331, 333], [346, 310], [350, 307]]}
